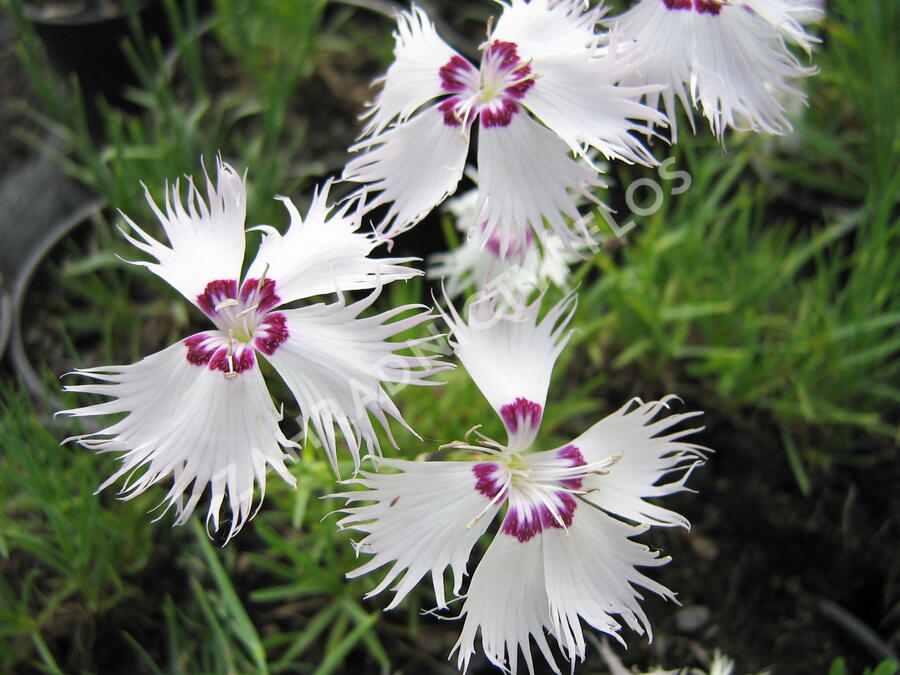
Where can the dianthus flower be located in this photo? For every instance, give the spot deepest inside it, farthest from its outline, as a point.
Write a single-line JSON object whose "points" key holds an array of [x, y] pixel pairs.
{"points": [[728, 57], [199, 410], [544, 97], [564, 550], [478, 263]]}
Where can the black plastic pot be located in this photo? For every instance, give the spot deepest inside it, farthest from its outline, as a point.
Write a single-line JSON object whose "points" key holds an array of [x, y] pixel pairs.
{"points": [[84, 38], [39, 205]]}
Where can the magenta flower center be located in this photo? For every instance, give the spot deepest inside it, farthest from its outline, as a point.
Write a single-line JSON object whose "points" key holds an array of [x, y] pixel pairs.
{"points": [[490, 92], [539, 490], [244, 321]]}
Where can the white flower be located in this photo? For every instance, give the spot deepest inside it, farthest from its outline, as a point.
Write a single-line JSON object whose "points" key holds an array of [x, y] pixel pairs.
{"points": [[564, 549], [477, 263], [730, 55], [543, 97], [199, 410], [720, 665]]}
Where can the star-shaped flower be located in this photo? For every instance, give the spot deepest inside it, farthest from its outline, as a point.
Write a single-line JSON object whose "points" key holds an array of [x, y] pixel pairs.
{"points": [[727, 57], [199, 410], [544, 96], [564, 550], [478, 264]]}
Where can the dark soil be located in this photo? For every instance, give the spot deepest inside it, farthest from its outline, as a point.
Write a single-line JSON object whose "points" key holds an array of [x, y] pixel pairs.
{"points": [[773, 578], [782, 576]]}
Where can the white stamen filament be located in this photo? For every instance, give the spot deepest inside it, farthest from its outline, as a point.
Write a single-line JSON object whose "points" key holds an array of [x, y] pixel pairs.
{"points": [[230, 355], [521, 80], [553, 510], [470, 432], [554, 472], [245, 312], [257, 293], [501, 494], [228, 302], [259, 284]]}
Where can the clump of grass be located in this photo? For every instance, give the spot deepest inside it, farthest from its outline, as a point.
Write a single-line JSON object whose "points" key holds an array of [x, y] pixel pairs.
{"points": [[227, 85], [66, 557], [769, 284]]}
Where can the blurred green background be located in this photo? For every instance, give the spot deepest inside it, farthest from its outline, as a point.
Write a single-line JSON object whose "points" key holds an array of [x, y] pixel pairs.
{"points": [[767, 294]]}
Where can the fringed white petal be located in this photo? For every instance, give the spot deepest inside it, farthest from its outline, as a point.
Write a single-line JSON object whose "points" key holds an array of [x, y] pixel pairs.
{"points": [[788, 16], [338, 364], [740, 66], [424, 519], [414, 166], [520, 591], [556, 259], [590, 573], [527, 177], [540, 27], [206, 239], [477, 263], [742, 72], [507, 602], [413, 78], [510, 357], [648, 453], [473, 266], [663, 38], [578, 96], [323, 253], [190, 422]]}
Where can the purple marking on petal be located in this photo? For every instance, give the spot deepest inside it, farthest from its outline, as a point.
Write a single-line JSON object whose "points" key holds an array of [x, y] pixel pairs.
{"points": [[216, 291], [242, 359], [519, 526], [567, 510], [519, 89], [515, 250], [708, 6], [507, 52], [525, 523], [487, 483], [498, 113], [276, 335], [451, 73], [215, 356], [448, 108], [521, 411], [700, 6], [267, 297], [508, 55], [573, 457], [198, 354]]}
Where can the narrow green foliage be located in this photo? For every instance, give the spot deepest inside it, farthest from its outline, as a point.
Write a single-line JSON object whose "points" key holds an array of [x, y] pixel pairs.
{"points": [[62, 547], [886, 667], [767, 289]]}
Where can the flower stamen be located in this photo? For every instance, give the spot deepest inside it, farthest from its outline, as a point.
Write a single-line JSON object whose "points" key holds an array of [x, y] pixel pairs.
{"points": [[259, 285], [230, 373], [501, 494], [245, 312]]}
